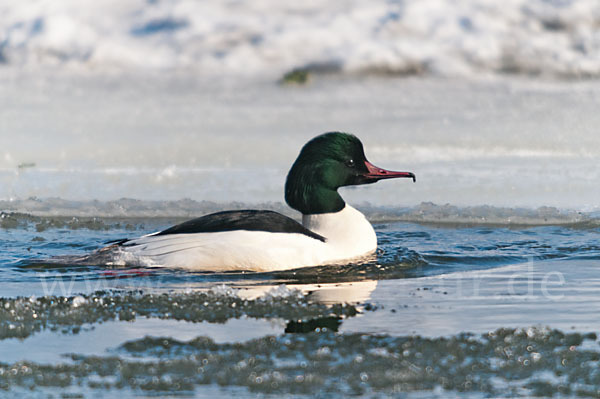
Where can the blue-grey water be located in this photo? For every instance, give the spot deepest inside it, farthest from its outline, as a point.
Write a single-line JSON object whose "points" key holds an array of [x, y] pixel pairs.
{"points": [[460, 309], [36, 250]]}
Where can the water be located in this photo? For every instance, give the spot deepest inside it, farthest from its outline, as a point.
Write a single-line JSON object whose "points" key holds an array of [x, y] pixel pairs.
{"points": [[445, 308]]}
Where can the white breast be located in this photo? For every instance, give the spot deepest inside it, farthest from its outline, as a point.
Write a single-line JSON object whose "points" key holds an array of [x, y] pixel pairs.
{"points": [[348, 235]]}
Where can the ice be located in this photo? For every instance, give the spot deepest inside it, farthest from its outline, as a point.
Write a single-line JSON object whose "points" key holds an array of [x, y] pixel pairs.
{"points": [[170, 137], [21, 317], [495, 364], [257, 37]]}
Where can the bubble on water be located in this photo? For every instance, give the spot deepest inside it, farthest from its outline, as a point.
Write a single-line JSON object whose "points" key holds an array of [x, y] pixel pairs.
{"points": [[78, 301], [323, 351]]}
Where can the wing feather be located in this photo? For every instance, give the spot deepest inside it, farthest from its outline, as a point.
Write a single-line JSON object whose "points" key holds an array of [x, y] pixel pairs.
{"points": [[250, 220]]}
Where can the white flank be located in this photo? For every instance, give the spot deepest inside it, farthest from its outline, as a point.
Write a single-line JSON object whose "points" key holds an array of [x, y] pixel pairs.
{"points": [[349, 235]]}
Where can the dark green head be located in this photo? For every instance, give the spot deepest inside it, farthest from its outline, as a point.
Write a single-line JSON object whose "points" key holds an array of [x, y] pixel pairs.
{"points": [[326, 163]]}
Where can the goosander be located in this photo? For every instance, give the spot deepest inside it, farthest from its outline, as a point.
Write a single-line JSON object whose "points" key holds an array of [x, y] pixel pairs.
{"points": [[259, 240]]}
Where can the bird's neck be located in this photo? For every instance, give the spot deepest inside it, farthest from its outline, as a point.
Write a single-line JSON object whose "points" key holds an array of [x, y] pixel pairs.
{"points": [[314, 199], [306, 192]]}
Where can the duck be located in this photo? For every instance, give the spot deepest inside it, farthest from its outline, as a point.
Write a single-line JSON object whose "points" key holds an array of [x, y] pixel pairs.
{"points": [[331, 231]]}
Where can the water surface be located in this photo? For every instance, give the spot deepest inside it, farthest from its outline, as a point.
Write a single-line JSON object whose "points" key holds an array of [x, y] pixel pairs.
{"points": [[448, 308]]}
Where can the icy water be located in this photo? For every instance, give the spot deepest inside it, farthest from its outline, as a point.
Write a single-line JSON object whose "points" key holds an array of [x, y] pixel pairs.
{"points": [[459, 309]]}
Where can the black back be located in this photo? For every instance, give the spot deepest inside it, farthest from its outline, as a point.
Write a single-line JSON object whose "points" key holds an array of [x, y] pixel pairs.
{"points": [[251, 220]]}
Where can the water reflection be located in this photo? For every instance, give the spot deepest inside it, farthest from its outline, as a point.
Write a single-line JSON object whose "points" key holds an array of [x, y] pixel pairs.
{"points": [[356, 293]]}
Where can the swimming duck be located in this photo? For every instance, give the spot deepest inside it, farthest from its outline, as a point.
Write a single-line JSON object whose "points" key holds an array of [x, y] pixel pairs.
{"points": [[260, 240]]}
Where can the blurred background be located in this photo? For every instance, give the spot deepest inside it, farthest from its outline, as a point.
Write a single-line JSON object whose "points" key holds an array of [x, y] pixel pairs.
{"points": [[489, 103]]}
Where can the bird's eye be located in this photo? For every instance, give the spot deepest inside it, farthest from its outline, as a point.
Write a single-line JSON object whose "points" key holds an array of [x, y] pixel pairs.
{"points": [[350, 163]]}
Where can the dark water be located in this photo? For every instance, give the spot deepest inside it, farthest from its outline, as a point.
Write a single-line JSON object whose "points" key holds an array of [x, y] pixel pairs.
{"points": [[392, 325]]}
